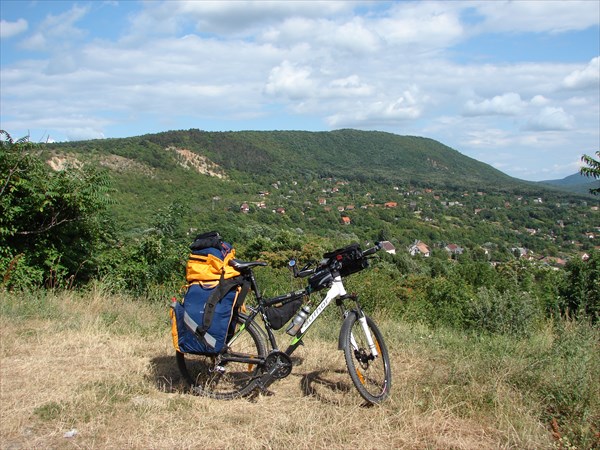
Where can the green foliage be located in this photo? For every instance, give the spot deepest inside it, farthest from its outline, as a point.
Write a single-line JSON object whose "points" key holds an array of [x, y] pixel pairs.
{"points": [[562, 373], [509, 312], [591, 169], [51, 223], [581, 291], [150, 265]]}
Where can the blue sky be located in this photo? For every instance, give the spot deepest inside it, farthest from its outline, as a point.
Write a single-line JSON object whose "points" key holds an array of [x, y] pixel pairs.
{"points": [[515, 84]]}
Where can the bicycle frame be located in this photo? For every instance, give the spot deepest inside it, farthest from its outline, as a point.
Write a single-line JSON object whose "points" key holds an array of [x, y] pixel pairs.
{"points": [[336, 291]]}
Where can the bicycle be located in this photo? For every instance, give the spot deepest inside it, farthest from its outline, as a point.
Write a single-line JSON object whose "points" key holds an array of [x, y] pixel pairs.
{"points": [[251, 358]]}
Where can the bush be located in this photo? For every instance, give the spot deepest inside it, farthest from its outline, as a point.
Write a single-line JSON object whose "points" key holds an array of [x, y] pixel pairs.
{"points": [[509, 312], [51, 223], [581, 292]]}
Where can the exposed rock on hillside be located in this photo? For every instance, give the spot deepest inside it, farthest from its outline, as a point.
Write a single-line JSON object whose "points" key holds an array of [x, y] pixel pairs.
{"points": [[199, 163]]}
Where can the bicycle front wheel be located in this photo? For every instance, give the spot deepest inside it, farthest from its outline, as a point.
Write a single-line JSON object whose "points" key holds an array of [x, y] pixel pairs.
{"points": [[237, 373], [370, 372]]}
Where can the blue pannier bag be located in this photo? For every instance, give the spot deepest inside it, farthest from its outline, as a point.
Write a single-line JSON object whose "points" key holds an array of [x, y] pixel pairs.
{"points": [[190, 317], [201, 323]]}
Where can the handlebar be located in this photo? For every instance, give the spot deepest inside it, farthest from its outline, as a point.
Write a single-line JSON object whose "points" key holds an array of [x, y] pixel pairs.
{"points": [[372, 250], [308, 270]]}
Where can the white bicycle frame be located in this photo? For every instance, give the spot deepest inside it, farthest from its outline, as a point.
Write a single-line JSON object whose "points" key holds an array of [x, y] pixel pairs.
{"points": [[337, 290]]}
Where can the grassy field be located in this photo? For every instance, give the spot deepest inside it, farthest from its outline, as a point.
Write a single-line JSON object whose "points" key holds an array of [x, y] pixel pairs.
{"points": [[90, 370]]}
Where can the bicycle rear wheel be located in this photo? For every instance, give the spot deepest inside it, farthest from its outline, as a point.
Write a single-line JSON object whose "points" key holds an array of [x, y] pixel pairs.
{"points": [[371, 374], [227, 379]]}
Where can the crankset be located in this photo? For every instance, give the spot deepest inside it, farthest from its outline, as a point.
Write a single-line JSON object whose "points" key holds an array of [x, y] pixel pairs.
{"points": [[277, 365]]}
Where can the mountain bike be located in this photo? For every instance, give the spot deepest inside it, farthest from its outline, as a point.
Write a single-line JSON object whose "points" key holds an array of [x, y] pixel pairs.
{"points": [[252, 360]]}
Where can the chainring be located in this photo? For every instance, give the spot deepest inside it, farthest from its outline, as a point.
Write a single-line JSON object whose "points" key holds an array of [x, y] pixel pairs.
{"points": [[278, 364]]}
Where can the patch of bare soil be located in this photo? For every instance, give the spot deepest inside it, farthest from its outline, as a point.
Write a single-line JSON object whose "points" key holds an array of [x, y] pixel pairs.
{"points": [[199, 163], [121, 164], [58, 163]]}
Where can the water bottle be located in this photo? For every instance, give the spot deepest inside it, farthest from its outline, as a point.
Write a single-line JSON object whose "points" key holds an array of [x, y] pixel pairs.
{"points": [[298, 321]]}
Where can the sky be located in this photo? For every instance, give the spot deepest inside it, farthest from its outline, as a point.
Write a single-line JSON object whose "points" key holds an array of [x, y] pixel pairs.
{"points": [[514, 84]]}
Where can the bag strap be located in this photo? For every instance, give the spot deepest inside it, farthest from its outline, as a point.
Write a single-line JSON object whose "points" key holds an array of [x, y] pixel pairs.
{"points": [[215, 297]]}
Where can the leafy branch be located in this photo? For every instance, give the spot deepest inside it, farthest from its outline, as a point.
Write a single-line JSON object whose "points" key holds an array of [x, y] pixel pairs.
{"points": [[592, 169]]}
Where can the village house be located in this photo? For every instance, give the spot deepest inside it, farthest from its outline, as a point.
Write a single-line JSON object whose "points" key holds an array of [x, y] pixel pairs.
{"points": [[454, 249], [390, 204], [553, 261], [388, 247], [520, 252], [346, 220], [244, 208], [419, 248]]}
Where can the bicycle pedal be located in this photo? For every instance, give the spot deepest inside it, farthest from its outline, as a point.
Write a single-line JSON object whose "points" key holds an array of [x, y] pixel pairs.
{"points": [[218, 369]]}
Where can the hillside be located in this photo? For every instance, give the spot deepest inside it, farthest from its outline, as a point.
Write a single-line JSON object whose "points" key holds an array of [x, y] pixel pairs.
{"points": [[348, 154], [352, 184]]}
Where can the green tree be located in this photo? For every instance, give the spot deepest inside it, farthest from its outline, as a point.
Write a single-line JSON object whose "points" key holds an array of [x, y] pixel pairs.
{"points": [[581, 292], [592, 169], [51, 223]]}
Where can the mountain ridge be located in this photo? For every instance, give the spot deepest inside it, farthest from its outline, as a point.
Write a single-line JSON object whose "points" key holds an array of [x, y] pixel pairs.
{"points": [[576, 182], [347, 152]]}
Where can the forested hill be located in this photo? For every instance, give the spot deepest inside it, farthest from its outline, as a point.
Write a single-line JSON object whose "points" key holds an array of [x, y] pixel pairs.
{"points": [[404, 188], [350, 154]]}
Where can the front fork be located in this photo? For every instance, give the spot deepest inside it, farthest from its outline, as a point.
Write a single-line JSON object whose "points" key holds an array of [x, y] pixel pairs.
{"points": [[362, 319]]}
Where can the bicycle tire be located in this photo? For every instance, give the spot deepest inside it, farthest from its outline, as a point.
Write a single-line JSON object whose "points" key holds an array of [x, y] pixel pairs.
{"points": [[372, 376], [233, 379]]}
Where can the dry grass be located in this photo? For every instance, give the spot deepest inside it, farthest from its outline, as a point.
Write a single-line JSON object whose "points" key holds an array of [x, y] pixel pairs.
{"points": [[105, 367]]}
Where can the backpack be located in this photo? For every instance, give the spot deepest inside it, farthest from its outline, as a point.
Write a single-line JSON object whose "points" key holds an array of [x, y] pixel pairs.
{"points": [[202, 321]]}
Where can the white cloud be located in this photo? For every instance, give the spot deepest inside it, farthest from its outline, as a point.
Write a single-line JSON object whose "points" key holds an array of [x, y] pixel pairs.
{"points": [[409, 105], [578, 101], [10, 29], [506, 104], [57, 31], [526, 16], [288, 80], [539, 100], [423, 25], [349, 87], [550, 119], [589, 77], [229, 19]]}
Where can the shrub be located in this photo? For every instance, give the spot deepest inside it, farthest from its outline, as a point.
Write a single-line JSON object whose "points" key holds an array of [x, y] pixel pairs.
{"points": [[509, 312], [581, 292]]}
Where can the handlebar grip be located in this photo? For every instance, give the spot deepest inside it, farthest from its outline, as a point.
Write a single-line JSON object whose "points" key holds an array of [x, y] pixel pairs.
{"points": [[304, 273], [372, 250]]}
